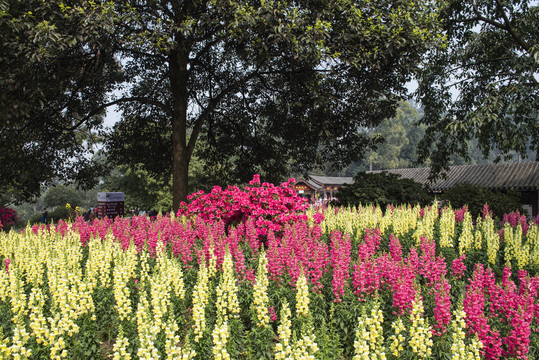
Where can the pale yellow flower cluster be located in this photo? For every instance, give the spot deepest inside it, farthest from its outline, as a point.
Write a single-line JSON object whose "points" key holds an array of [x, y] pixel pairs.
{"points": [[397, 340], [212, 262], [227, 292], [100, 257], [466, 238], [220, 339], [4, 285], [71, 287], [17, 294], [425, 225], [447, 227], [70, 293], [459, 349], [125, 263], [147, 331], [172, 341], [492, 239], [368, 219], [343, 220], [305, 348], [227, 307], [369, 343], [522, 251], [144, 267], [386, 221], [120, 347], [283, 349], [533, 239], [302, 296], [420, 331], [478, 235], [260, 295], [38, 323], [201, 295], [20, 338], [404, 220], [514, 248], [5, 351]]}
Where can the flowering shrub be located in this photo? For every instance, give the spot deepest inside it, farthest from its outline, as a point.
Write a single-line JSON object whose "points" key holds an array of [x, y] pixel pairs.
{"points": [[270, 206], [7, 217]]}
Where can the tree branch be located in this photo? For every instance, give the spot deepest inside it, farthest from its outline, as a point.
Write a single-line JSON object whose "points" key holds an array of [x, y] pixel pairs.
{"points": [[139, 99], [512, 30], [480, 17], [211, 106]]}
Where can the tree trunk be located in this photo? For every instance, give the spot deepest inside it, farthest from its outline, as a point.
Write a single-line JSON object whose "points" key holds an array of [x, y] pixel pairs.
{"points": [[180, 155]]}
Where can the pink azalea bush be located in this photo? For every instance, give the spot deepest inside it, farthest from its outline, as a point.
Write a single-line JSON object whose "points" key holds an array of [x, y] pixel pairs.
{"points": [[270, 206]]}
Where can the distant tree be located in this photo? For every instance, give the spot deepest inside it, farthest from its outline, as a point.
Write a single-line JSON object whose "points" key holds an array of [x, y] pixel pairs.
{"points": [[484, 84], [398, 138], [60, 195], [383, 189]]}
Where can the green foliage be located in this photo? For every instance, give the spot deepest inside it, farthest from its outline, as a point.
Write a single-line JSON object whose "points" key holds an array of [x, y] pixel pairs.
{"points": [[475, 197], [483, 85], [60, 213], [60, 195], [56, 69], [383, 189], [141, 190]]}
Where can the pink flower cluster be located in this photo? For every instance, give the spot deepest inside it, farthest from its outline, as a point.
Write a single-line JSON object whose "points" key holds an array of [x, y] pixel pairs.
{"points": [[487, 212], [270, 206], [372, 273], [458, 268], [459, 214], [514, 219], [7, 217], [300, 248], [7, 262], [500, 314], [341, 247]]}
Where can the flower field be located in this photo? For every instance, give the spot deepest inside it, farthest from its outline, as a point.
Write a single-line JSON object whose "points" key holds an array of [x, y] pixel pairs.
{"points": [[407, 282]]}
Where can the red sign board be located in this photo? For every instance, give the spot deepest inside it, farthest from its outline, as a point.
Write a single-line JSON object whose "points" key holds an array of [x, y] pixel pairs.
{"points": [[110, 205]]}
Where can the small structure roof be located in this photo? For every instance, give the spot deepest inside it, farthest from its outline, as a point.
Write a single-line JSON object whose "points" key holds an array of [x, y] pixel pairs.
{"points": [[523, 176], [331, 180], [310, 183]]}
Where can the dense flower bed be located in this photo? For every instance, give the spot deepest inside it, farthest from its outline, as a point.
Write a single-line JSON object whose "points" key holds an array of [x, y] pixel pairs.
{"points": [[332, 284]]}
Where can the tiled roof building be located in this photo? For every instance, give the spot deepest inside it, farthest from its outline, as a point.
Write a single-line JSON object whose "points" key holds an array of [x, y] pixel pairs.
{"points": [[522, 177]]}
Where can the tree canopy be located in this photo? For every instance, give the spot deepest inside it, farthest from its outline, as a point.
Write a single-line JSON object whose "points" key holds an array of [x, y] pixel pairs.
{"points": [[261, 86], [484, 84], [55, 73]]}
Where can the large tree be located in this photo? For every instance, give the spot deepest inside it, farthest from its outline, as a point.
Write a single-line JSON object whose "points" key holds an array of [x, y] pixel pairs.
{"points": [[55, 70], [485, 83], [261, 85], [264, 85]]}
